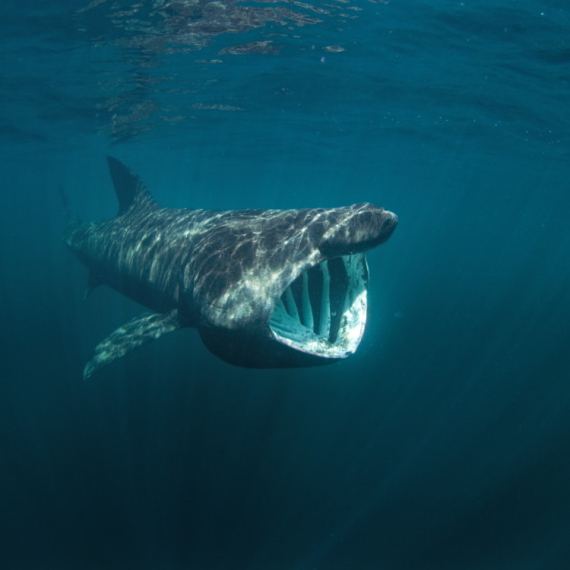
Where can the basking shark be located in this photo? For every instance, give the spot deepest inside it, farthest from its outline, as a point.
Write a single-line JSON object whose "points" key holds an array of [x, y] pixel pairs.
{"points": [[264, 288]]}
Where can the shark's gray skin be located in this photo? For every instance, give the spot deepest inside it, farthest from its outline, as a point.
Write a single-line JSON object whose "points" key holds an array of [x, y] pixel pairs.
{"points": [[264, 288]]}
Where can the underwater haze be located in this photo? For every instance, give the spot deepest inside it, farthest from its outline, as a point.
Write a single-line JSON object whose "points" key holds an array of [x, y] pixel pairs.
{"points": [[443, 443]]}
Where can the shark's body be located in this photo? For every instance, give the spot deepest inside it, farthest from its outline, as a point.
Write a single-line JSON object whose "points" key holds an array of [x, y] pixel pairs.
{"points": [[264, 288]]}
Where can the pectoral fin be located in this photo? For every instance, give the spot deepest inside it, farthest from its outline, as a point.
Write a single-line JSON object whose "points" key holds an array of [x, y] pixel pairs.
{"points": [[92, 283], [133, 334]]}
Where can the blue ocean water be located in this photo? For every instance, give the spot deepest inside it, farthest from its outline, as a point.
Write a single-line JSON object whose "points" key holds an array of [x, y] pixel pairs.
{"points": [[443, 443]]}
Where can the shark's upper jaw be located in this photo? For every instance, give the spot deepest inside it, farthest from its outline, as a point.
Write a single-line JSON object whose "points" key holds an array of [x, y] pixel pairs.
{"points": [[322, 313]]}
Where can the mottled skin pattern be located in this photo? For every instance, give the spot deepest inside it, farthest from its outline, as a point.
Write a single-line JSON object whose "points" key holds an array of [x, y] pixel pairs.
{"points": [[222, 272]]}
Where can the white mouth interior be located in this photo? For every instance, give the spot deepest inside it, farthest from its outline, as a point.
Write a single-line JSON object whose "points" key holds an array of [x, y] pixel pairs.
{"points": [[323, 312]]}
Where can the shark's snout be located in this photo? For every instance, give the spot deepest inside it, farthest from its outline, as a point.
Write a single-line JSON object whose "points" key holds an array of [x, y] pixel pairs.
{"points": [[357, 229]]}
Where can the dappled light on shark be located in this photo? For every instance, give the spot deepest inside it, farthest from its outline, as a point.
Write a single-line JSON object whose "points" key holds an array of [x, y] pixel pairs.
{"points": [[264, 288]]}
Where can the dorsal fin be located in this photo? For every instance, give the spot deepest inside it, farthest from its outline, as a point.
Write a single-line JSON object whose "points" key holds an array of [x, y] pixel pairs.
{"points": [[131, 190]]}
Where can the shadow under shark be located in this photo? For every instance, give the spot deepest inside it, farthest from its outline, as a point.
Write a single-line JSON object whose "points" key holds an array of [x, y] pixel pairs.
{"points": [[264, 288]]}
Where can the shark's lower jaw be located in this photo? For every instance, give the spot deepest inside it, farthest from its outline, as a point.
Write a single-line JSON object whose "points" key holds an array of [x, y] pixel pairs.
{"points": [[323, 312]]}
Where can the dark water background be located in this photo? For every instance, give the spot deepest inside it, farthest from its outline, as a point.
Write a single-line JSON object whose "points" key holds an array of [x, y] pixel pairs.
{"points": [[444, 443]]}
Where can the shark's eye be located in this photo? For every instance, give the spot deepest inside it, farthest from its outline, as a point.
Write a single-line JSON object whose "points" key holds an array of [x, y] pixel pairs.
{"points": [[323, 312]]}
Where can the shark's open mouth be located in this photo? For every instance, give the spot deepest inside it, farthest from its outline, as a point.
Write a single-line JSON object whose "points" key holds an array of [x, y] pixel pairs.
{"points": [[323, 312]]}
